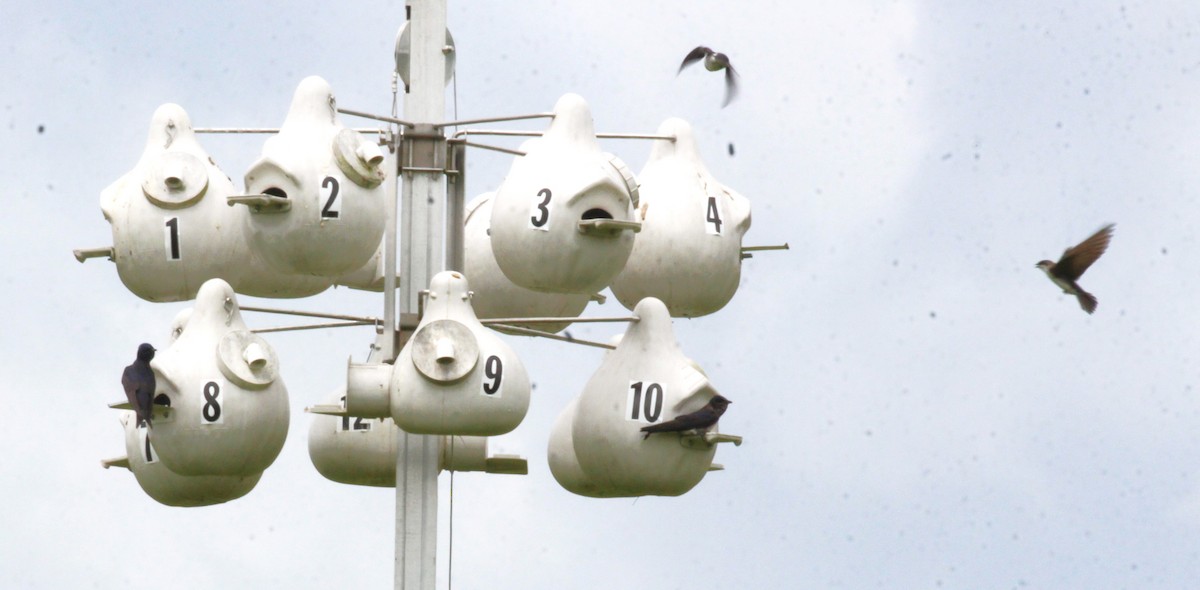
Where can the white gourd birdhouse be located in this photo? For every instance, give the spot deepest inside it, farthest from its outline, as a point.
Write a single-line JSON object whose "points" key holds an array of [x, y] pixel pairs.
{"points": [[562, 220], [596, 446], [331, 179], [688, 253]]}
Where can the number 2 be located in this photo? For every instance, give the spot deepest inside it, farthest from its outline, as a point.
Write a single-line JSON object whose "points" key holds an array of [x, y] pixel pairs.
{"points": [[543, 214], [332, 208], [713, 216]]}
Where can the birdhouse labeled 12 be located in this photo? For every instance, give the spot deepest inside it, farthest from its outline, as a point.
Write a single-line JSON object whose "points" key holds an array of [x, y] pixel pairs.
{"points": [[600, 445], [326, 213], [493, 295], [228, 407], [562, 220], [688, 253]]}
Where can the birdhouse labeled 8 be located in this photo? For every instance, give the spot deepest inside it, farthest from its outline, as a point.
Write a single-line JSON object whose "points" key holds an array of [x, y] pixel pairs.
{"points": [[229, 408], [493, 295], [688, 253], [168, 487], [454, 376], [639, 426], [562, 220], [329, 181]]}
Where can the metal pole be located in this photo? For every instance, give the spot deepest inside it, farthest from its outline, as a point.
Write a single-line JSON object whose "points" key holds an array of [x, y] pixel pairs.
{"points": [[422, 209]]}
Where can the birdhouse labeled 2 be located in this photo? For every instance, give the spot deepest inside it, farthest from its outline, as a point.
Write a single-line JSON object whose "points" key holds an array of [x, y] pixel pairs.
{"points": [[688, 253], [493, 295], [168, 487], [453, 376], [327, 218], [228, 406], [562, 220], [598, 447]]}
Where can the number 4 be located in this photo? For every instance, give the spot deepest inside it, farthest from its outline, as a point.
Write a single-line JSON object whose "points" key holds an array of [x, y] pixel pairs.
{"points": [[713, 216]]}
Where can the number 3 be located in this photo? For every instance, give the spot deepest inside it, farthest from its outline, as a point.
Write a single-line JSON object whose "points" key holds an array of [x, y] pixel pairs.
{"points": [[539, 220]]}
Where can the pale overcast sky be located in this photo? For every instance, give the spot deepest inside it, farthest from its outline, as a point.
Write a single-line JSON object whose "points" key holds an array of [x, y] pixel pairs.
{"points": [[921, 407]]}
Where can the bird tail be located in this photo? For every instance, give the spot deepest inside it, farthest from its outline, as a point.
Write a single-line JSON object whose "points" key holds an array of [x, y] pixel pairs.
{"points": [[1086, 300]]}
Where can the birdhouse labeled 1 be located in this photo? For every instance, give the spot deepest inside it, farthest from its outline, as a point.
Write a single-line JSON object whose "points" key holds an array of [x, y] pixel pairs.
{"points": [[688, 253], [168, 487], [598, 447], [562, 221], [453, 376], [327, 209], [228, 406], [172, 229], [363, 451], [492, 294]]}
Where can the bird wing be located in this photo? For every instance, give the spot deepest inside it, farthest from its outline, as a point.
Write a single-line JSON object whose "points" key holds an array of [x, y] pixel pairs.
{"points": [[1076, 259], [731, 86], [696, 55], [129, 382]]}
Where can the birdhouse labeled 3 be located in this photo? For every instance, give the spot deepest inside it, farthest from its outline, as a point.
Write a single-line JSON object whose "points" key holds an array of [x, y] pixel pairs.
{"points": [[327, 215], [228, 406], [601, 445], [493, 295], [168, 487], [172, 229], [688, 253], [562, 220], [454, 376]]}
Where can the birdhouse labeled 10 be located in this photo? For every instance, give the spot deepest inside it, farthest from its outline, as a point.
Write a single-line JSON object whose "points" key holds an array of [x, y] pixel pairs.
{"points": [[689, 252], [172, 229], [453, 376], [329, 214], [228, 407], [493, 294], [562, 220], [600, 445]]}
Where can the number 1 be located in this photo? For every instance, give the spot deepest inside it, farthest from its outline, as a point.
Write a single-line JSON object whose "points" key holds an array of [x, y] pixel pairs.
{"points": [[173, 238]]}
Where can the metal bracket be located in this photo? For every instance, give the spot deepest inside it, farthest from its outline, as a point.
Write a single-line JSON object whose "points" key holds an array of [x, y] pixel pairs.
{"points": [[424, 149]]}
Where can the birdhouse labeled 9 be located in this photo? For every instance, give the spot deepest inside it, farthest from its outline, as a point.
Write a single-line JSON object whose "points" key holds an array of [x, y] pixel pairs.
{"points": [[688, 254], [598, 447], [228, 406], [172, 229], [562, 221], [454, 376], [168, 487], [327, 181], [493, 294]]}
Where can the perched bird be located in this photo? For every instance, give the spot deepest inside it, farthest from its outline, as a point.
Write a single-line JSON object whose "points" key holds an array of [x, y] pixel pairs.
{"points": [[702, 418], [1074, 262], [138, 380], [714, 62]]}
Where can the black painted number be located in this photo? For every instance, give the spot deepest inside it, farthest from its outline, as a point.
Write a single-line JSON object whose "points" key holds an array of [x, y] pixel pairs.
{"points": [[493, 369], [645, 404], [172, 238], [333, 205], [211, 412], [543, 214], [359, 423], [713, 216]]}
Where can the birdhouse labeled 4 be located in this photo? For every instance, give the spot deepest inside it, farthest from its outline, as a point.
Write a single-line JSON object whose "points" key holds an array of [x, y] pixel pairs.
{"points": [[645, 423], [453, 376], [688, 254], [493, 294], [562, 220], [325, 214], [228, 406], [168, 487]]}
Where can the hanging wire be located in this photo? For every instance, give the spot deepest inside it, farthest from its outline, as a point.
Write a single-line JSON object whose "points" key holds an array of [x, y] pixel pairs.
{"points": [[450, 541]]}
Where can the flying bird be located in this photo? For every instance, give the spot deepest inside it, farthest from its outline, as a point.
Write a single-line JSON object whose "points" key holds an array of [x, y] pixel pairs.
{"points": [[714, 62], [702, 418], [1075, 260], [139, 383]]}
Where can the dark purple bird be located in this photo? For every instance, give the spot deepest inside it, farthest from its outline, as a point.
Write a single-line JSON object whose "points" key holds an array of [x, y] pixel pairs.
{"points": [[714, 62], [139, 383], [702, 418]]}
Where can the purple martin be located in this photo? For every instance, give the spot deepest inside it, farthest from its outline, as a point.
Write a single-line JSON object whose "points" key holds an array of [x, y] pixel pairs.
{"points": [[1075, 260], [702, 418], [138, 380], [714, 62]]}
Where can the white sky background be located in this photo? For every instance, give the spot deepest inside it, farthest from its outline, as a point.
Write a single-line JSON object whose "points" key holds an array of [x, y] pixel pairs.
{"points": [[921, 407]]}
